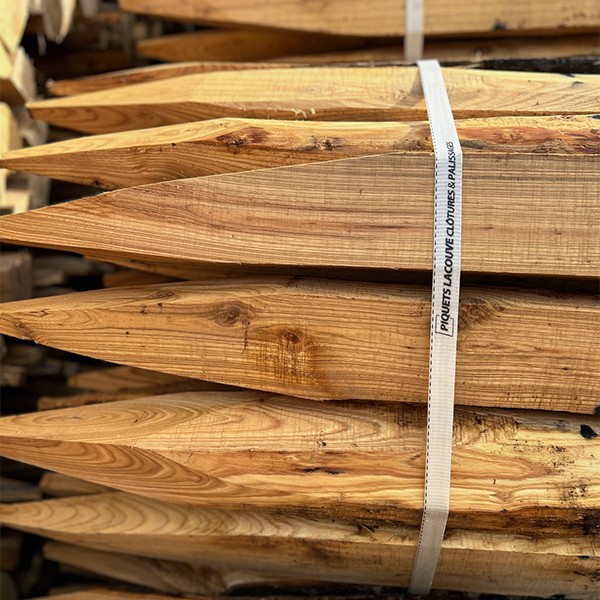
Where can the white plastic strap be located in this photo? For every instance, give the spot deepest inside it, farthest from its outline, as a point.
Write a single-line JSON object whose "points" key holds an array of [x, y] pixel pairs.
{"points": [[413, 30], [444, 324]]}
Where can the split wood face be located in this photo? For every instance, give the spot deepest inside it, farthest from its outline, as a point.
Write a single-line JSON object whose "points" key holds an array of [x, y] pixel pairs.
{"points": [[529, 214], [447, 50], [230, 145], [331, 94], [289, 546], [324, 339], [380, 17], [528, 472]]}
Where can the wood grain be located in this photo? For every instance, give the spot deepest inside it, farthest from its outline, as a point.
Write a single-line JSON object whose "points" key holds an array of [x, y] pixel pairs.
{"points": [[451, 50], [521, 472], [352, 553], [446, 50], [332, 340], [332, 94], [230, 145], [379, 17], [368, 212], [147, 74]]}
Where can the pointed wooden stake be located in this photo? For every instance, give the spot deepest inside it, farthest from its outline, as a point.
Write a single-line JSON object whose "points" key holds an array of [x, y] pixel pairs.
{"points": [[331, 94], [113, 79], [326, 460], [444, 50], [232, 45], [293, 546], [332, 340], [168, 576], [378, 17], [229, 145], [531, 214]]}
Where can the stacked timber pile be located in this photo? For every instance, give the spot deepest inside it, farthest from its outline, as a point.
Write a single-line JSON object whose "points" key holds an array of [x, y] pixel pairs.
{"points": [[267, 203]]}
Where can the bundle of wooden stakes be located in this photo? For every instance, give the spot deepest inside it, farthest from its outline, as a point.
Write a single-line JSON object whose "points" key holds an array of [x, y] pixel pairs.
{"points": [[274, 226]]}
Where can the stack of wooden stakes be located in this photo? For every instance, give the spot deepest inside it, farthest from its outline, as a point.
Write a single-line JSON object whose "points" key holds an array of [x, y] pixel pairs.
{"points": [[267, 425]]}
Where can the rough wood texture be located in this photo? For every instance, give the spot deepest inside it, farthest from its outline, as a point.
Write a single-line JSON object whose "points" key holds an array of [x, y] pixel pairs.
{"points": [[447, 50], [332, 340], [160, 575], [332, 94], [379, 17], [367, 212], [229, 145], [524, 472], [461, 50], [105, 81], [226, 45], [293, 546]]}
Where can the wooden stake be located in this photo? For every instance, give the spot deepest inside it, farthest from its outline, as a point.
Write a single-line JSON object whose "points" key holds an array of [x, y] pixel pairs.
{"points": [[345, 462], [367, 212], [160, 575], [465, 50], [446, 50], [293, 546], [152, 73], [332, 94], [234, 45], [229, 145], [380, 17], [331, 340]]}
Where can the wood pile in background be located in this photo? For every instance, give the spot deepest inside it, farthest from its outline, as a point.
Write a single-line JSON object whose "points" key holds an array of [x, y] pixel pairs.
{"points": [[263, 424], [18, 85]]}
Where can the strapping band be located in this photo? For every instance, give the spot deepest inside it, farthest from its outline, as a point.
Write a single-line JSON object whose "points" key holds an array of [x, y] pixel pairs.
{"points": [[444, 324], [413, 30]]}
